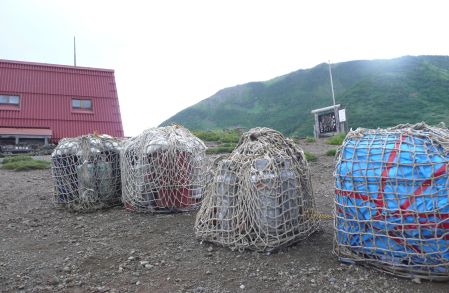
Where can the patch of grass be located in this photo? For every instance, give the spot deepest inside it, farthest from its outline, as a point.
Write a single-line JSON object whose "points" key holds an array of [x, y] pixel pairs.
{"points": [[228, 145], [219, 150], [310, 139], [228, 136], [207, 135], [310, 157], [336, 139], [331, 152], [17, 158], [22, 165]]}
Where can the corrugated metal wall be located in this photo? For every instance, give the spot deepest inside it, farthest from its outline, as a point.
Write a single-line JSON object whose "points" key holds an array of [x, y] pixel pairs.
{"points": [[46, 92]]}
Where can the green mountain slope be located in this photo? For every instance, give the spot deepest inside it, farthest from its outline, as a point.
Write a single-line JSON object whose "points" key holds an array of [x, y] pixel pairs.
{"points": [[377, 93]]}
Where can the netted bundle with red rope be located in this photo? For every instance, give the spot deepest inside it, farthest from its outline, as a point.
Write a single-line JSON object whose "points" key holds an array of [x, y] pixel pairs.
{"points": [[163, 171], [392, 200], [260, 197]]}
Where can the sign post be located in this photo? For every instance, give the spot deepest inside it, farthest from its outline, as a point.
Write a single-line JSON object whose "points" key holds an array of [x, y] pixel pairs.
{"points": [[329, 120]]}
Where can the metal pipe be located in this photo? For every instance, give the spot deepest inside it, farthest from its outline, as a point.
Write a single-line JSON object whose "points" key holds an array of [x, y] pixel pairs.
{"points": [[74, 51], [332, 83]]}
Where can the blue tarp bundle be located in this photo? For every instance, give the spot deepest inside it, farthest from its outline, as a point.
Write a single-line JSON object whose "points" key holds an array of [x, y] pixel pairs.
{"points": [[391, 200]]}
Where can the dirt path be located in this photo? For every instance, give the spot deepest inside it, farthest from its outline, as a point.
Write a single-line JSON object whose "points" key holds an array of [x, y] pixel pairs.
{"points": [[46, 250]]}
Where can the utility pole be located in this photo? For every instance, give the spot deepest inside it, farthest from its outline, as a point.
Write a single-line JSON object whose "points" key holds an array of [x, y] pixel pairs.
{"points": [[332, 83], [337, 119]]}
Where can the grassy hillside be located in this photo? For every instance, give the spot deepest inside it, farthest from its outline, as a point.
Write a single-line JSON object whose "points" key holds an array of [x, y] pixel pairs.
{"points": [[375, 93]]}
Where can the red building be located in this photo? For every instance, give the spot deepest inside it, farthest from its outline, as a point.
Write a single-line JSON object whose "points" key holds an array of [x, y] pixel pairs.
{"points": [[49, 102]]}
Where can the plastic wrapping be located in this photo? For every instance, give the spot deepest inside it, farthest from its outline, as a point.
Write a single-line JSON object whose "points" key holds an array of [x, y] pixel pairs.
{"points": [[391, 201]]}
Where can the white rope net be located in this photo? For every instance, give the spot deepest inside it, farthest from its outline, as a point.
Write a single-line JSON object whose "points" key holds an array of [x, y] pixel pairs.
{"points": [[86, 172], [392, 200], [260, 197], [163, 171]]}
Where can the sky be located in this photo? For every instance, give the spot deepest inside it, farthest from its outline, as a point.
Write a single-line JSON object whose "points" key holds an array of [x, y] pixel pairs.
{"points": [[170, 54]]}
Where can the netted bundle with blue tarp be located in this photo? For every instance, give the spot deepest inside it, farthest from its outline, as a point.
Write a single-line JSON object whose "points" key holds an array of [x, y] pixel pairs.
{"points": [[391, 200]]}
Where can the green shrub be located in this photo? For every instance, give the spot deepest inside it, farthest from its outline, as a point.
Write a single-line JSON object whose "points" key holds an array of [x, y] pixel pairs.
{"points": [[331, 152], [17, 158], [310, 139], [230, 136], [25, 164], [310, 157], [336, 139]]}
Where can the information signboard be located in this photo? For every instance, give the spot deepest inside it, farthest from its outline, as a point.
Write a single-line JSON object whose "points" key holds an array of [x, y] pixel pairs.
{"points": [[327, 122]]}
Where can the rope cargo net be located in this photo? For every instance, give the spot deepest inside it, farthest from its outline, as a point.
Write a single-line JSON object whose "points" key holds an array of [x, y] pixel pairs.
{"points": [[259, 197], [391, 200], [163, 171], [86, 172]]}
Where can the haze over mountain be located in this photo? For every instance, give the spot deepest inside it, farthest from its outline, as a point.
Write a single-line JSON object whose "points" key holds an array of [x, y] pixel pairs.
{"points": [[377, 93]]}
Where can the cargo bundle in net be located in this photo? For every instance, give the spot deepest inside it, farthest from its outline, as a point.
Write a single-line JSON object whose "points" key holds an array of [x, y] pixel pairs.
{"points": [[259, 197], [391, 202], [86, 172], [163, 170]]}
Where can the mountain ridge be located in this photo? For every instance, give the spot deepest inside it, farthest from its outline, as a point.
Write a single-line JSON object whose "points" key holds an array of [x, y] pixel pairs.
{"points": [[375, 93]]}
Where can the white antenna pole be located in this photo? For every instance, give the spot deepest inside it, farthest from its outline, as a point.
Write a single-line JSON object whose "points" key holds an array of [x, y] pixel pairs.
{"points": [[332, 83], [74, 51]]}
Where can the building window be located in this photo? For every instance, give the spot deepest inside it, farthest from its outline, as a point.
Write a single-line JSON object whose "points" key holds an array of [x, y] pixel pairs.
{"points": [[9, 100], [84, 104]]}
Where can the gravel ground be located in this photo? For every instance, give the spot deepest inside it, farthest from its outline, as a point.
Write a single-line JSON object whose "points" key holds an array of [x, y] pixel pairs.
{"points": [[43, 249]]}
